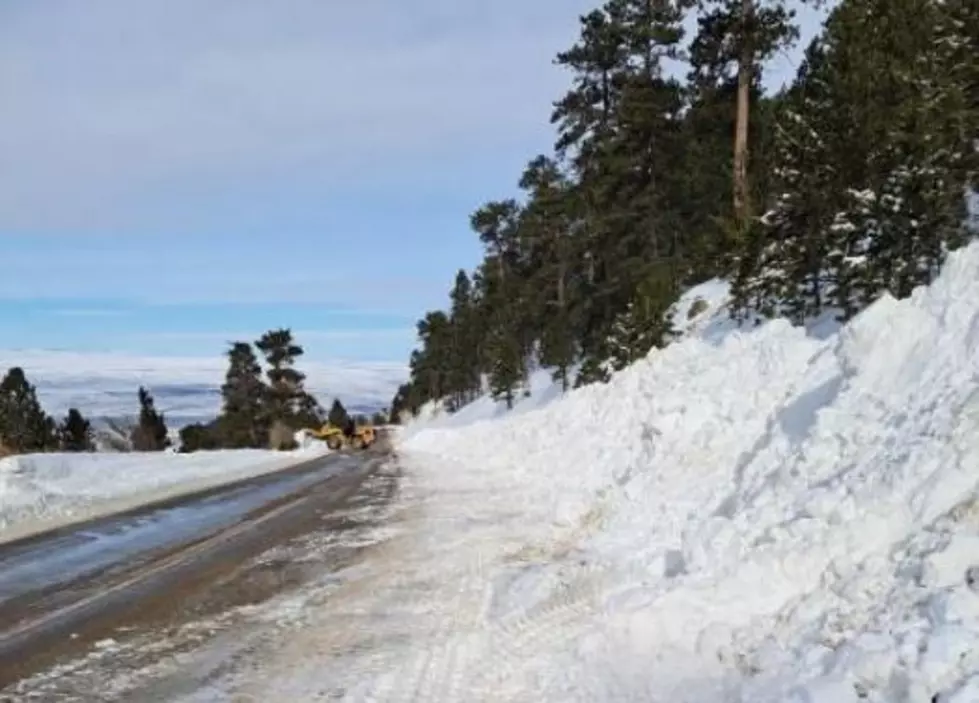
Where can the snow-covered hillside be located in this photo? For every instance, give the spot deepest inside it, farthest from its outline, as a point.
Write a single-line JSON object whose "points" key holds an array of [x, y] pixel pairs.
{"points": [[698, 312], [43, 491], [759, 515]]}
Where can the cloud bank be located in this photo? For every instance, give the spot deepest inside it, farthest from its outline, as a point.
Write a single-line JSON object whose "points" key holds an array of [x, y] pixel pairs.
{"points": [[184, 387]]}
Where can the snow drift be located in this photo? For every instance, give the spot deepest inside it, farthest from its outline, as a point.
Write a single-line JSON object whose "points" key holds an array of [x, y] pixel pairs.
{"points": [[761, 515], [43, 491]]}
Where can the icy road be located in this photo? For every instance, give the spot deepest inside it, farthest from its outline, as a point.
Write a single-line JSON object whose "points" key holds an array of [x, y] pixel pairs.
{"points": [[102, 590]]}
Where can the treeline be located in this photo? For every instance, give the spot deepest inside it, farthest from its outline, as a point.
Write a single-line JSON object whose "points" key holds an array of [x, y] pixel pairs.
{"points": [[265, 407], [26, 428], [855, 186], [261, 408]]}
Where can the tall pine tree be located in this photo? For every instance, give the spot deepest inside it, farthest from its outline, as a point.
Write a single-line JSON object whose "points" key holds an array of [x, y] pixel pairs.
{"points": [[244, 420], [75, 433], [288, 401], [873, 158], [150, 433], [24, 426]]}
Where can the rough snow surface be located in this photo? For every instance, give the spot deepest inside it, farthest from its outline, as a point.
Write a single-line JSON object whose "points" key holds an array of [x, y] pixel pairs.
{"points": [[700, 311], [541, 390], [762, 515], [43, 491]]}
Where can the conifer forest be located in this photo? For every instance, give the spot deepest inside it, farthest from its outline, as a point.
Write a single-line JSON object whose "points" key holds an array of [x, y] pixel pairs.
{"points": [[672, 165]]}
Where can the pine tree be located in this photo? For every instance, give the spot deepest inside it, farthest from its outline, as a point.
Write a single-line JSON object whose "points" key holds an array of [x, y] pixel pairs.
{"points": [[856, 175], [873, 157], [784, 265], [913, 209], [150, 433], [463, 373], [508, 365], [549, 223], [199, 437], [287, 399], [505, 351], [645, 324], [406, 401], [244, 419], [338, 416], [75, 433], [309, 412], [741, 35], [430, 368], [24, 426]]}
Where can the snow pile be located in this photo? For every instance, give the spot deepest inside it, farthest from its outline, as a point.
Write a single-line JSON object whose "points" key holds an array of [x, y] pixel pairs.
{"points": [[43, 491], [541, 390], [761, 515], [699, 311]]}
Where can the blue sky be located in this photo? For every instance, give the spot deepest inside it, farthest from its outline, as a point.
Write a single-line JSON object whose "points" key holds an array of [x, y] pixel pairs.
{"points": [[177, 174]]}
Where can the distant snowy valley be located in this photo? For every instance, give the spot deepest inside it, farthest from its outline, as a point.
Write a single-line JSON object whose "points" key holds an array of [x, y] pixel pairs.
{"points": [[186, 390]]}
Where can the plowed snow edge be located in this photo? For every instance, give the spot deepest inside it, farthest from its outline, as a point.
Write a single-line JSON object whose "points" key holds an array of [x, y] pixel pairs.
{"points": [[148, 499]]}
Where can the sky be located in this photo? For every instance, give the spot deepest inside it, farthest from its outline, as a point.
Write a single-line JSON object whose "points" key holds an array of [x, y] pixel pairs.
{"points": [[175, 175]]}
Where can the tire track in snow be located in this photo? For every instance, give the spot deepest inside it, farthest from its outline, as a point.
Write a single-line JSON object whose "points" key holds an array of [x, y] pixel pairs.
{"points": [[417, 622]]}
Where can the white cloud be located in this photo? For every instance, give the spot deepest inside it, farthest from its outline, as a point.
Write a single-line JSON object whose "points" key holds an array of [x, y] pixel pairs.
{"points": [[110, 102], [105, 383]]}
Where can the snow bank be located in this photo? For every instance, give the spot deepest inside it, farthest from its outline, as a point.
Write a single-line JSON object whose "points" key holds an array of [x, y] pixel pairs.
{"points": [[44, 491], [761, 515], [540, 391], [700, 311]]}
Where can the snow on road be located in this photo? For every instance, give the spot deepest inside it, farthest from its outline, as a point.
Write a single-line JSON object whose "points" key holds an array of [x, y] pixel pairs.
{"points": [[764, 515], [770, 515], [757, 516], [43, 491]]}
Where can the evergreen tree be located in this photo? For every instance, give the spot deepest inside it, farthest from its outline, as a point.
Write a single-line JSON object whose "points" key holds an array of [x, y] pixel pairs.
{"points": [[244, 419], [508, 366], [856, 180], [75, 433], [873, 156], [549, 225], [338, 416], [738, 36], [645, 324], [200, 437], [508, 332], [309, 412], [794, 238], [407, 401], [287, 399], [912, 210], [463, 376], [150, 433], [24, 426]]}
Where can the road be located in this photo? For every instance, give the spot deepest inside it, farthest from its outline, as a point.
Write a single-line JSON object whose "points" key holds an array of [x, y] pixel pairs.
{"points": [[140, 575]]}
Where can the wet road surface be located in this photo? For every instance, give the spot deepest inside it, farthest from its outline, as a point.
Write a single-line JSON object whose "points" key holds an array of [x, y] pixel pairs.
{"points": [[148, 574]]}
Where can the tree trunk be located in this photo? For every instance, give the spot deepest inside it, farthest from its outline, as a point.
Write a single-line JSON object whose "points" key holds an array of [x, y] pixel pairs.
{"points": [[742, 205]]}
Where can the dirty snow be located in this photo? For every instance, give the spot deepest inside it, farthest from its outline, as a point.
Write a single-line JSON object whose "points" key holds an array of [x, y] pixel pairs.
{"points": [[43, 491], [761, 515]]}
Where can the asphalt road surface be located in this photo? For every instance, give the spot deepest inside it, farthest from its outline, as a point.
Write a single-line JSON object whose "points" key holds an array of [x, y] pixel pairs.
{"points": [[65, 592]]}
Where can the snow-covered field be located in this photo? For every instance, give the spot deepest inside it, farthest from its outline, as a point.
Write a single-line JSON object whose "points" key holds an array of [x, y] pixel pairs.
{"points": [[763, 515], [44, 491]]}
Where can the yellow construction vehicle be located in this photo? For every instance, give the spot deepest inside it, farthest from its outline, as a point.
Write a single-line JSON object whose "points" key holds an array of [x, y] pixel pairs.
{"points": [[336, 438]]}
